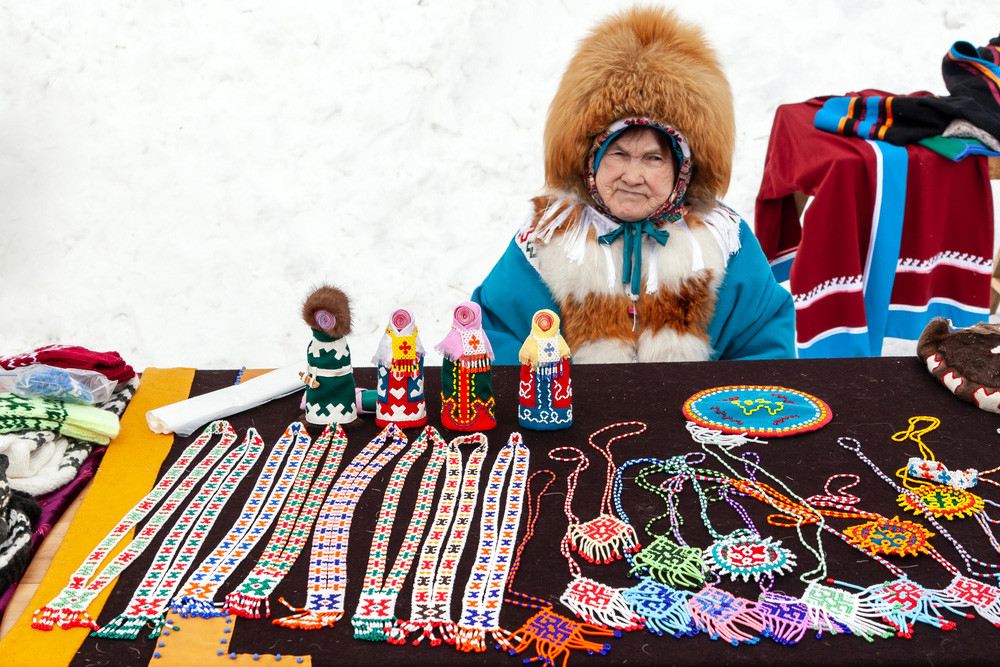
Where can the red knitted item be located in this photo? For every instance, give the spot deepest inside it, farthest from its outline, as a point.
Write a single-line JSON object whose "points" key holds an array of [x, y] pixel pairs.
{"points": [[110, 364]]}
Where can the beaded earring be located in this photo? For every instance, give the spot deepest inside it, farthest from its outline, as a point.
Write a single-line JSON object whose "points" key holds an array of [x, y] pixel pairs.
{"points": [[589, 599], [552, 635], [605, 538]]}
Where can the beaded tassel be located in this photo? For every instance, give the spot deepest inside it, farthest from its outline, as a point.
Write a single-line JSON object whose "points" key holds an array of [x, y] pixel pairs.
{"points": [[554, 636], [720, 614], [603, 539], [599, 603], [786, 619], [911, 603], [855, 611], [965, 592], [69, 608], [662, 609], [670, 563]]}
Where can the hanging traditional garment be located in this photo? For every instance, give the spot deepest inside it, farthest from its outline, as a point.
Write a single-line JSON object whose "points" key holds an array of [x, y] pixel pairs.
{"points": [[69, 608], [430, 602], [466, 376], [250, 598], [497, 537], [399, 397], [328, 556], [553, 636], [177, 552], [329, 376], [545, 397], [376, 611], [197, 596]]}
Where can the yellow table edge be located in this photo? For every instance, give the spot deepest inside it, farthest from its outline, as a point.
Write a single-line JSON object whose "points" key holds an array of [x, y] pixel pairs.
{"points": [[127, 472]]}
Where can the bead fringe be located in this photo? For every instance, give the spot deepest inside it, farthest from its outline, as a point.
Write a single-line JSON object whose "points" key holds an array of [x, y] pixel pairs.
{"points": [[912, 603], [247, 605], [606, 550], [831, 603], [719, 614], [600, 604], [308, 619], [470, 640], [373, 629], [786, 619], [193, 607], [129, 627], [965, 592], [550, 649], [661, 608], [684, 568], [48, 617], [445, 632]]}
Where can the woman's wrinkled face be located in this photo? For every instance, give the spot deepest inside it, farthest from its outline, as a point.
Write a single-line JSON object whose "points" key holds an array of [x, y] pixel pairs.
{"points": [[636, 174]]}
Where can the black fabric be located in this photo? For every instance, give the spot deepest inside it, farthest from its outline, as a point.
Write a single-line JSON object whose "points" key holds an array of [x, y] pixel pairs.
{"points": [[871, 398]]}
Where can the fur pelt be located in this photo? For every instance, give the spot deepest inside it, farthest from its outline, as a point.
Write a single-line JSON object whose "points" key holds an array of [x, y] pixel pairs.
{"points": [[964, 360], [332, 300], [643, 62]]}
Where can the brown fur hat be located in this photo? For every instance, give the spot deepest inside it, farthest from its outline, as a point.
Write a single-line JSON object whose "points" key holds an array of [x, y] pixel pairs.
{"points": [[643, 62], [333, 301]]}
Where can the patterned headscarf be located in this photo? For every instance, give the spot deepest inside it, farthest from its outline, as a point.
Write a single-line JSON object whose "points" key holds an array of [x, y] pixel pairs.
{"points": [[544, 348], [466, 344], [672, 209], [400, 348]]}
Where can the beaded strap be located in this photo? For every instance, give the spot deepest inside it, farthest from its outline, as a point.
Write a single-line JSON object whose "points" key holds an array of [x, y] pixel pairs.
{"points": [[250, 598], [430, 605], [260, 512], [177, 552], [68, 608], [497, 536], [328, 557], [376, 611]]}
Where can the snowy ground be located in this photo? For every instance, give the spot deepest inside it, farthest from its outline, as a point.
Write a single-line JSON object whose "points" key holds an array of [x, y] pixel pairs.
{"points": [[175, 175]]}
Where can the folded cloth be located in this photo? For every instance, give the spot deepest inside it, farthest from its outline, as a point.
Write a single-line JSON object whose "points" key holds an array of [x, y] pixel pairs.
{"points": [[18, 515], [39, 414], [957, 148], [110, 364]]}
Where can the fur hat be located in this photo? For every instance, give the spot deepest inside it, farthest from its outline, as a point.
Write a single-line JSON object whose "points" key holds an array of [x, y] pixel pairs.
{"points": [[643, 62], [334, 303]]}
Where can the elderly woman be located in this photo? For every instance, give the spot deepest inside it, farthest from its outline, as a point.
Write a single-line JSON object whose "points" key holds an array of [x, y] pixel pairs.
{"points": [[630, 245]]}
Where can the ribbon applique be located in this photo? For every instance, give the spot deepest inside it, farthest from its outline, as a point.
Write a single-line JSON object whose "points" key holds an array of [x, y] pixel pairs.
{"points": [[632, 234]]}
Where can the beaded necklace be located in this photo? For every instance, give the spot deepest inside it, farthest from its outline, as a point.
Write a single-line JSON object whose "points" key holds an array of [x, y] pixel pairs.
{"points": [[589, 599], [962, 592], [430, 603], [250, 598], [497, 536], [328, 557], [376, 610], [604, 539], [69, 608], [176, 554], [552, 635], [269, 492]]}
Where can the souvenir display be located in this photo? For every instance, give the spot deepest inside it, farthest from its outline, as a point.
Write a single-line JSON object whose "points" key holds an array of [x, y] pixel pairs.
{"points": [[757, 410], [328, 555], [497, 535], [466, 378], [963, 360], [399, 395], [376, 611], [545, 396], [69, 608], [329, 379], [250, 599], [552, 635], [430, 602], [197, 594]]}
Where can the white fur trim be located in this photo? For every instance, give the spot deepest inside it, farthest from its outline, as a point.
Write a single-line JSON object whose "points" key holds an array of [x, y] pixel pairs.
{"points": [[724, 223], [668, 345], [604, 352]]}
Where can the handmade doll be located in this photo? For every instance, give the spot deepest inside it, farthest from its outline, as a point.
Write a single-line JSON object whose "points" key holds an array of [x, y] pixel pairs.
{"points": [[466, 389], [329, 379], [545, 395], [400, 362]]}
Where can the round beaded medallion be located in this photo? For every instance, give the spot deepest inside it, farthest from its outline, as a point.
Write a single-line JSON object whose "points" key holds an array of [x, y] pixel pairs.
{"points": [[757, 410]]}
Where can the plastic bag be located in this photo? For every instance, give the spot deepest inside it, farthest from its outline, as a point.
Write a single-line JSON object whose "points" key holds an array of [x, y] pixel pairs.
{"points": [[71, 385]]}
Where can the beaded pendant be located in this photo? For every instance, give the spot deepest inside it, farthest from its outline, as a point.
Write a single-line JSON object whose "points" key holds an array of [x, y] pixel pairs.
{"points": [[599, 603], [965, 592], [786, 619], [603, 539], [670, 563], [855, 611], [720, 614], [912, 603], [554, 636], [745, 554], [890, 536], [663, 609], [943, 502]]}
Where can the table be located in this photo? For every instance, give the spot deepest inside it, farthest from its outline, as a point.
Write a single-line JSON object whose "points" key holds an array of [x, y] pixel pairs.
{"points": [[871, 399]]}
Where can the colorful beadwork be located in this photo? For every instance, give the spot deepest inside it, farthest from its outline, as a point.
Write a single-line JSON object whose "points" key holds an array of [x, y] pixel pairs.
{"points": [[890, 536], [945, 502], [720, 614], [854, 611], [554, 636], [466, 378], [69, 608], [757, 410], [670, 563], [400, 384], [745, 554], [663, 609], [545, 393]]}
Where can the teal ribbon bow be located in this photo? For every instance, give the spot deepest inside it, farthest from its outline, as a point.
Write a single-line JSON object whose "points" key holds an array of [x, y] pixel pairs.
{"points": [[632, 248]]}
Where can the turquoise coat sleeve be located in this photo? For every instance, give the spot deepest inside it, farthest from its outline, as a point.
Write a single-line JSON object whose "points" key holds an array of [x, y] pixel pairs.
{"points": [[510, 296], [754, 315]]}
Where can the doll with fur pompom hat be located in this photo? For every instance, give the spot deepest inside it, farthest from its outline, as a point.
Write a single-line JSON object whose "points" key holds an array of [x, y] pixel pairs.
{"points": [[329, 378]]}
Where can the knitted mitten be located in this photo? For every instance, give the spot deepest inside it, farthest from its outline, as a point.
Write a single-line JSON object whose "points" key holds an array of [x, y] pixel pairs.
{"points": [[110, 364], [76, 421]]}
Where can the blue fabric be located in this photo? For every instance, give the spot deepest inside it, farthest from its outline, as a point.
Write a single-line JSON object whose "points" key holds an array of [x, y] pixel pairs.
{"points": [[829, 116], [754, 316], [632, 248]]}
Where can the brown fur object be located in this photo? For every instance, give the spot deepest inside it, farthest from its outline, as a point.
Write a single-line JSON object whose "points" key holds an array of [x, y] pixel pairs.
{"points": [[644, 62], [332, 300], [964, 361]]}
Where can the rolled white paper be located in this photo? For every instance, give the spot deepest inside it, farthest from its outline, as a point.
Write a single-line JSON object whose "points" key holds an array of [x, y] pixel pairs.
{"points": [[184, 417]]}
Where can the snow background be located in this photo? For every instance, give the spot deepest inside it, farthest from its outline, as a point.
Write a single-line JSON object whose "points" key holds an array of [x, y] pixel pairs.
{"points": [[176, 176]]}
